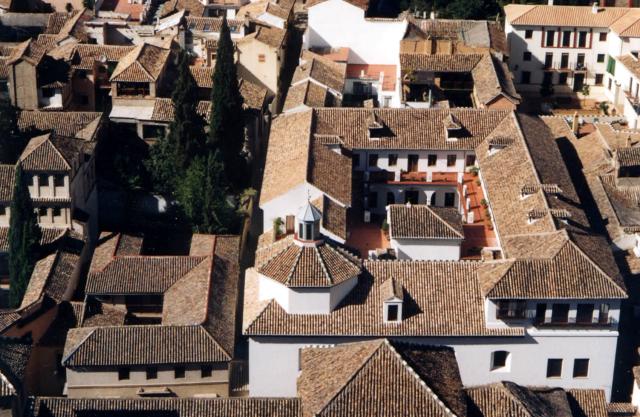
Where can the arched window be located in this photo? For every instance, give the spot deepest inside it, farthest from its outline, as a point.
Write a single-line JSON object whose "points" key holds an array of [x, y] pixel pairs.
{"points": [[432, 202], [500, 361]]}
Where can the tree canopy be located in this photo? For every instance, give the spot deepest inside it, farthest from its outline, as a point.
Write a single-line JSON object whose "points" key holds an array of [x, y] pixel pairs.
{"points": [[12, 141], [226, 122], [24, 239]]}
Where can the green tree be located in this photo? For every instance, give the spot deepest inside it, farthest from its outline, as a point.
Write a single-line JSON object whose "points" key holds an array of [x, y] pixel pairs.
{"points": [[203, 196], [12, 141], [226, 122], [88, 4], [186, 130], [172, 155], [24, 239]]}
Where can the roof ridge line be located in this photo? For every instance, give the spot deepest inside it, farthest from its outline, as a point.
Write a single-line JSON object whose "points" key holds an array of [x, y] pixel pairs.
{"points": [[295, 264], [417, 377], [445, 222], [592, 262], [80, 343], [322, 264]]}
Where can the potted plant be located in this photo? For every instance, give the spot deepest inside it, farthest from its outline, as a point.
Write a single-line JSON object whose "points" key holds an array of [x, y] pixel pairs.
{"points": [[277, 227]]}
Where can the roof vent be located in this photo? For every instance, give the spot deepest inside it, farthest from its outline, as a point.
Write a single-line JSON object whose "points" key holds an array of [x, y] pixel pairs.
{"points": [[375, 125], [392, 295], [454, 128]]}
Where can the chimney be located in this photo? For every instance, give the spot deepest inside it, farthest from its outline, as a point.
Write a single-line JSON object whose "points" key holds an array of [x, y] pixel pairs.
{"points": [[432, 15], [549, 2], [575, 126], [594, 8]]}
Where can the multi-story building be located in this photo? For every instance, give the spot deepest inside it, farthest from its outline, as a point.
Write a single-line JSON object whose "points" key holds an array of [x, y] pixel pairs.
{"points": [[261, 56], [539, 307], [161, 303]]}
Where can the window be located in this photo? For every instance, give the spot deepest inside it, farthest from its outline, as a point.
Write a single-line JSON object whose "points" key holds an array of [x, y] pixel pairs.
{"points": [[525, 77], [499, 360], [261, 58], [603, 316], [564, 61], [392, 312], [57, 211], [560, 313], [471, 160], [123, 374], [554, 368], [541, 311], [548, 60], [599, 78], [152, 373], [43, 180], [3, 210], [451, 160], [58, 180], [562, 78], [584, 313], [32, 180], [566, 38], [373, 160], [411, 196], [550, 37], [600, 58], [432, 160], [42, 211], [511, 309], [393, 159], [449, 199], [603, 36], [528, 34], [526, 56], [391, 198], [178, 372], [206, 371], [609, 84], [373, 199], [582, 39], [580, 368]]}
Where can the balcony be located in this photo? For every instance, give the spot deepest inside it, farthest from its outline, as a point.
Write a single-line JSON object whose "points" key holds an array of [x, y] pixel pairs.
{"points": [[414, 177], [574, 324], [572, 66]]}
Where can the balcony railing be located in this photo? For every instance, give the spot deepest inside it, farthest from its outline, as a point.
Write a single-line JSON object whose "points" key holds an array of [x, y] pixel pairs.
{"points": [[382, 176], [574, 323], [566, 66]]}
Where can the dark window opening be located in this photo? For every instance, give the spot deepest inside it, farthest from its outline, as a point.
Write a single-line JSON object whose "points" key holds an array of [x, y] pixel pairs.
{"points": [[432, 160], [123, 374], [584, 313], [392, 312], [449, 199], [451, 160], [560, 313], [499, 359], [393, 159], [566, 38], [554, 368], [528, 34], [373, 160], [206, 371], [178, 373], [152, 373], [581, 368], [550, 37]]}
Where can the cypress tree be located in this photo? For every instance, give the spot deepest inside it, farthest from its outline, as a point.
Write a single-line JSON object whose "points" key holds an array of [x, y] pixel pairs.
{"points": [[12, 141], [171, 155], [226, 122], [203, 196], [24, 239]]}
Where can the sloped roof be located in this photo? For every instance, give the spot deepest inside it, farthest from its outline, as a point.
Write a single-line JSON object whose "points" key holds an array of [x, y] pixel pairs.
{"points": [[211, 24], [83, 125], [146, 345], [424, 222], [370, 378], [7, 182], [581, 16], [143, 64], [323, 70], [184, 407], [269, 35], [362, 4], [446, 300], [307, 94], [506, 398], [50, 152], [14, 356], [85, 55], [323, 265]]}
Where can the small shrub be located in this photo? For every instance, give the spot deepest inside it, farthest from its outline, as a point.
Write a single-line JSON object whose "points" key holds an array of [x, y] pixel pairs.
{"points": [[277, 227]]}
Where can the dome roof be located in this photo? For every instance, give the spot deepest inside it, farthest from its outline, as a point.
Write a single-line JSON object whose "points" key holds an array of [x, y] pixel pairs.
{"points": [[321, 265]]}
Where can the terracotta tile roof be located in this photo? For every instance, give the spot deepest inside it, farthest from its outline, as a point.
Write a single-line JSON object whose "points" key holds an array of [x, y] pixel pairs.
{"points": [[407, 128], [8, 318], [268, 35], [307, 94], [446, 301], [365, 71], [141, 275], [631, 63], [569, 273], [211, 24], [144, 63], [30, 50], [103, 346], [507, 398], [184, 407], [56, 21], [7, 178], [424, 222], [320, 69], [334, 217], [84, 56], [50, 153], [49, 236], [370, 378], [256, 9], [193, 7], [163, 109], [581, 16], [202, 76], [14, 357], [628, 157], [628, 24], [254, 96], [439, 63], [83, 125], [492, 78], [53, 275], [324, 265]]}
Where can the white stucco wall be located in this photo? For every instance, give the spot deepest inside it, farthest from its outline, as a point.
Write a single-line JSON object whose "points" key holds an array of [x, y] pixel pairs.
{"points": [[287, 203], [427, 249], [336, 23], [277, 359]]}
